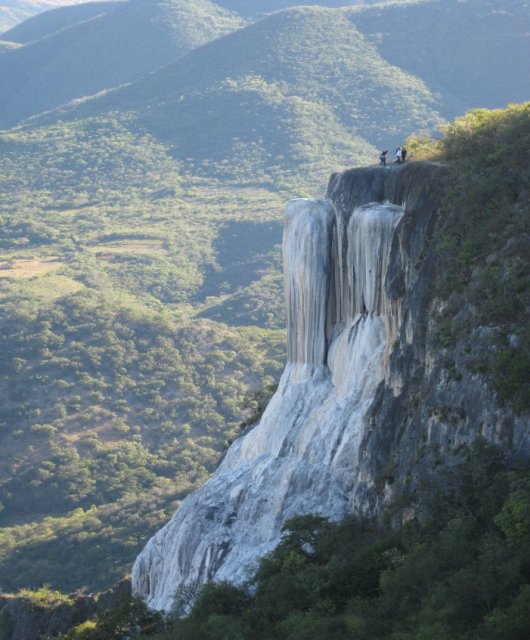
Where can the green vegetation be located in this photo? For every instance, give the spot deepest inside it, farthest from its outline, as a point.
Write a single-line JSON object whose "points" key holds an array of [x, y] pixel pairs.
{"points": [[483, 243], [440, 42], [461, 571], [107, 402], [44, 597], [119, 394], [129, 617], [261, 7], [290, 99]]}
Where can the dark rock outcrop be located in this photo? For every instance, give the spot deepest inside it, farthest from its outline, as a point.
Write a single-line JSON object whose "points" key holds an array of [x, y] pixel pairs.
{"points": [[431, 406], [24, 618]]}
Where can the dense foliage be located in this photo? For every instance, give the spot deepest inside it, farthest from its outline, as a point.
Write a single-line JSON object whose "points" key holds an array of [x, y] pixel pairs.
{"points": [[107, 403], [448, 44], [461, 571], [121, 382]]}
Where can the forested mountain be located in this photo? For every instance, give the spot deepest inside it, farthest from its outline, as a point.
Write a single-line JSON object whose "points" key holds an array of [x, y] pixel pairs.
{"points": [[259, 8], [16, 11], [256, 8], [140, 269], [295, 80], [119, 43], [447, 45]]}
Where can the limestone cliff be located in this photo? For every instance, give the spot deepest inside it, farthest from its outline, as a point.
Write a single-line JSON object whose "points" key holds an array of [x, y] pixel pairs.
{"points": [[365, 405]]}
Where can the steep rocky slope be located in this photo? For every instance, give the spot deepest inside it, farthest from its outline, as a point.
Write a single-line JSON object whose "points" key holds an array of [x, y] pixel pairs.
{"points": [[342, 259]]}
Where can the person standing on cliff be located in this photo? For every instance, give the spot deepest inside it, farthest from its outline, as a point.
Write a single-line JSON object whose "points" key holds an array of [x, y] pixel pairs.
{"points": [[382, 158], [398, 155], [403, 154]]}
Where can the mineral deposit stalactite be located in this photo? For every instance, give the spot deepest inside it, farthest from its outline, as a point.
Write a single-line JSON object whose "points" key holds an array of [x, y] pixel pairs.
{"points": [[303, 456]]}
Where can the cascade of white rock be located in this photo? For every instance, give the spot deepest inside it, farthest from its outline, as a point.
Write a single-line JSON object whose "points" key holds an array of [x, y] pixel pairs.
{"points": [[303, 455]]}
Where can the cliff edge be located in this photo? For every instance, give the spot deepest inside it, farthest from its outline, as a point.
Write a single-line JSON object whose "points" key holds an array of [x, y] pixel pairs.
{"points": [[369, 404]]}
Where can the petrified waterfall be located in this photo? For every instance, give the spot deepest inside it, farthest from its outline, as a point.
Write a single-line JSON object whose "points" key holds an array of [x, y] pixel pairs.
{"points": [[304, 455]]}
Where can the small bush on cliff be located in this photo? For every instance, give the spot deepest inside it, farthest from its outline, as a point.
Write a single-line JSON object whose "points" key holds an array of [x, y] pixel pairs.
{"points": [[45, 597], [83, 631]]}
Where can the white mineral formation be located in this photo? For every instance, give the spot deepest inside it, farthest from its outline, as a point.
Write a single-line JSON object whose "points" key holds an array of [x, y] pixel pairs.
{"points": [[303, 456]]}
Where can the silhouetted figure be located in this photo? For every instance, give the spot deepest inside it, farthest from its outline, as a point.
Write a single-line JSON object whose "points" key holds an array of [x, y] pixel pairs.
{"points": [[403, 154], [382, 158]]}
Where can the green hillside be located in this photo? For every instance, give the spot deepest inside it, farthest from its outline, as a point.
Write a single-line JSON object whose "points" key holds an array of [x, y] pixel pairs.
{"points": [[256, 8], [123, 42], [116, 397], [483, 247], [299, 86]]}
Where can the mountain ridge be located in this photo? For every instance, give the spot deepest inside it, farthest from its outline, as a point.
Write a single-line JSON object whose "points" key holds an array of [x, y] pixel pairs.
{"points": [[130, 38], [13, 12], [294, 66], [48, 22]]}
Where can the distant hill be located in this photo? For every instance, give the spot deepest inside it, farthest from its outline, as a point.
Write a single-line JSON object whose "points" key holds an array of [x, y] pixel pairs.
{"points": [[123, 42], [256, 8], [471, 54], [13, 12], [298, 90], [48, 22]]}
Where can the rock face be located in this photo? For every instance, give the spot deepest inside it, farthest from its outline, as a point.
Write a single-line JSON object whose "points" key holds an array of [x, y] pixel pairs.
{"points": [[344, 429]]}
